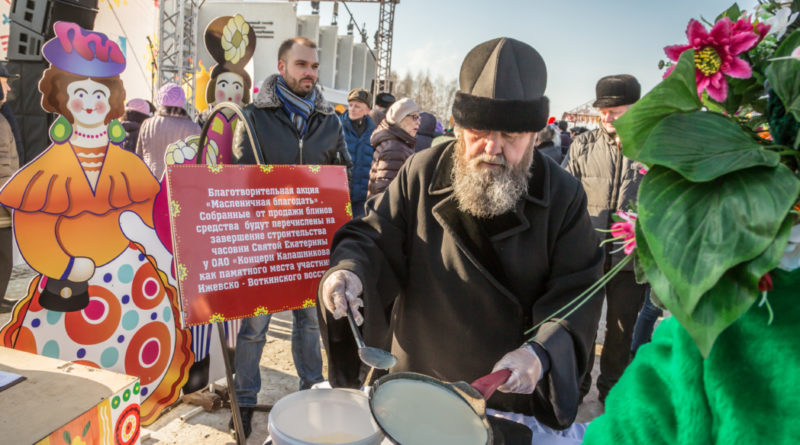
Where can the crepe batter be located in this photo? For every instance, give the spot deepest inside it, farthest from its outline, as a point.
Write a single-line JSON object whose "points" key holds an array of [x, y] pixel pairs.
{"points": [[414, 412]]}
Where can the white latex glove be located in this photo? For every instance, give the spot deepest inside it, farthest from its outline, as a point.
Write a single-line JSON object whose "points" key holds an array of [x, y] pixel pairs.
{"points": [[525, 367], [82, 269], [340, 289]]}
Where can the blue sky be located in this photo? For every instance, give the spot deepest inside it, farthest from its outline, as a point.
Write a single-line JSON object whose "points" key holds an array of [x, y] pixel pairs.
{"points": [[580, 40]]}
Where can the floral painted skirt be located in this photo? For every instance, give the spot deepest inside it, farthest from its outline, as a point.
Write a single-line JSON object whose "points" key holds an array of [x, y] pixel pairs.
{"points": [[131, 326]]}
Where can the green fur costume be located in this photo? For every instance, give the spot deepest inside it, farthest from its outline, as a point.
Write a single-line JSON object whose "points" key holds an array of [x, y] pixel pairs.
{"points": [[746, 392]]}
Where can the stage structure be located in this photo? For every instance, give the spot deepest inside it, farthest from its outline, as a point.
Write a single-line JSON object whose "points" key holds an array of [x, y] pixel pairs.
{"points": [[383, 40], [584, 115]]}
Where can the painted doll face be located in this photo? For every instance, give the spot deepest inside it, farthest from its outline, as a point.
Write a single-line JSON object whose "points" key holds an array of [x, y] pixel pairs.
{"points": [[88, 101], [229, 88]]}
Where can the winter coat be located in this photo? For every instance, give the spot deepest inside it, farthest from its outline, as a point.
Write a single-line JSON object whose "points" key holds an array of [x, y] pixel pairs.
{"points": [[9, 163], [131, 121], [549, 149], [169, 124], [426, 132], [566, 141], [450, 294], [745, 392], [610, 179], [279, 138], [361, 155], [377, 115], [392, 147]]}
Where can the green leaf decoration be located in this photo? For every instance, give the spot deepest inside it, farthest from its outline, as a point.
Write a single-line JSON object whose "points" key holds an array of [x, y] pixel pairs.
{"points": [[67, 437], [697, 231], [703, 146], [733, 13], [724, 303], [676, 93], [116, 132], [784, 75], [86, 428], [61, 130]]}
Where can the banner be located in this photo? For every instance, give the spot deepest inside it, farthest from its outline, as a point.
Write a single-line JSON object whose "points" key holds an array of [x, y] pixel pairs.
{"points": [[252, 239]]}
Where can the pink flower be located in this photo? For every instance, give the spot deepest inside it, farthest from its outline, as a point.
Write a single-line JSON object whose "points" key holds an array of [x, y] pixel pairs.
{"points": [[715, 53], [625, 231]]}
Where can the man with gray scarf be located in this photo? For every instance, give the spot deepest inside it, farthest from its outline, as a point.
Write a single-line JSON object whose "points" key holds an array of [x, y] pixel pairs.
{"points": [[293, 124], [475, 242]]}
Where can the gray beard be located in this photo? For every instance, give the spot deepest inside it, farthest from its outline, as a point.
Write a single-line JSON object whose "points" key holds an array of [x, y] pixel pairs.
{"points": [[488, 193]]}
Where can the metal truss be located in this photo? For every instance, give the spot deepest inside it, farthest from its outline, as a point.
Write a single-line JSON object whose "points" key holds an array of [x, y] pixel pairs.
{"points": [[177, 45]]}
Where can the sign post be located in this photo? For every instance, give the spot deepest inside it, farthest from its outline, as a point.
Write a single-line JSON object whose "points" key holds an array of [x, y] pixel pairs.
{"points": [[251, 240]]}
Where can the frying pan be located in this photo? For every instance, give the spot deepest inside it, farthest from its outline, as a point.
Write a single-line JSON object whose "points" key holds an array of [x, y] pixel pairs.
{"points": [[474, 396]]}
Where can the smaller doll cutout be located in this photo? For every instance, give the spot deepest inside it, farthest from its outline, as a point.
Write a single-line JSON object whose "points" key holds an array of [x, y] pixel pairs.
{"points": [[231, 41]]}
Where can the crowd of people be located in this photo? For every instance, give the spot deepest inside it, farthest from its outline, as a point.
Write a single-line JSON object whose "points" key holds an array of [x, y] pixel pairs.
{"points": [[466, 236]]}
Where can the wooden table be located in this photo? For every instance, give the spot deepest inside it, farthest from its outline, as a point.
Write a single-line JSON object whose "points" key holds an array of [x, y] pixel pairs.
{"points": [[61, 400]]}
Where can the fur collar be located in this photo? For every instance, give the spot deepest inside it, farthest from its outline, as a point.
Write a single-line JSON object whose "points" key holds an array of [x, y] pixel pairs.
{"points": [[172, 111], [266, 97]]}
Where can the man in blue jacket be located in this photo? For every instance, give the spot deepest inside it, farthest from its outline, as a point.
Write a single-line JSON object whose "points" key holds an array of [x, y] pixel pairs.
{"points": [[358, 127]]}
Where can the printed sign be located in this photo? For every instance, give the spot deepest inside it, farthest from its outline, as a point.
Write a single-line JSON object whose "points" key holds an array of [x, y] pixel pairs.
{"points": [[252, 239]]}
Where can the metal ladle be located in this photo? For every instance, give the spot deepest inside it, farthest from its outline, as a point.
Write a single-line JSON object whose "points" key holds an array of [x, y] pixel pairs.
{"points": [[374, 357]]}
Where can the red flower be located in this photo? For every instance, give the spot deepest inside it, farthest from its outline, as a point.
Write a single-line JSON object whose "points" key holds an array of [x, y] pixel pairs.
{"points": [[715, 53], [625, 231]]}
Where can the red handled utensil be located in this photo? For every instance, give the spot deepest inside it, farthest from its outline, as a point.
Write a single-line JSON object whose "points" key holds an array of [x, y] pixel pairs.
{"points": [[487, 384]]}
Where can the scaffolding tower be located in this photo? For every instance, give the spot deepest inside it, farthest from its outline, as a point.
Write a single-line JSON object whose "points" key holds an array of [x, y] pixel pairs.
{"points": [[177, 44]]}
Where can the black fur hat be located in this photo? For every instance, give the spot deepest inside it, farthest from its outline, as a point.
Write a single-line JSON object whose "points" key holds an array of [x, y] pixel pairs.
{"points": [[617, 90], [502, 88]]}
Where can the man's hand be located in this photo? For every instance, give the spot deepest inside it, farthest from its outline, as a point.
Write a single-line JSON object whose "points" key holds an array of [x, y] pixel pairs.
{"points": [[525, 367], [340, 289]]}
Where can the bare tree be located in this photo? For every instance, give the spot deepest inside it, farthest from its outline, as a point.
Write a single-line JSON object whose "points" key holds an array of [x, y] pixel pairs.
{"points": [[434, 96]]}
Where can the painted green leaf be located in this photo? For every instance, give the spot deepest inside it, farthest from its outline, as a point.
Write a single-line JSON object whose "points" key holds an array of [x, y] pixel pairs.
{"points": [[86, 428], [697, 231], [676, 93], [733, 13], [784, 75], [725, 302], [67, 437], [702, 146]]}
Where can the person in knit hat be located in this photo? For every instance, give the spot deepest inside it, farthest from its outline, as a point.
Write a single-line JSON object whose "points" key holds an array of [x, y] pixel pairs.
{"points": [[394, 142], [136, 111], [477, 241], [170, 123], [9, 163]]}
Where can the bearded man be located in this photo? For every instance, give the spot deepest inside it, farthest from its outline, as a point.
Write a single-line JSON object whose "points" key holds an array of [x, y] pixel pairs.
{"points": [[474, 242]]}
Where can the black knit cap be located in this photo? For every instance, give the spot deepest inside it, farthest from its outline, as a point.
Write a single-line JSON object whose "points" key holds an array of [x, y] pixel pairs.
{"points": [[502, 88], [617, 90], [384, 100]]}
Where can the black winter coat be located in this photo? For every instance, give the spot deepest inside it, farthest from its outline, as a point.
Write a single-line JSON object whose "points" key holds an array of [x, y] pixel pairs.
{"points": [[131, 121], [280, 140], [450, 295], [392, 147]]}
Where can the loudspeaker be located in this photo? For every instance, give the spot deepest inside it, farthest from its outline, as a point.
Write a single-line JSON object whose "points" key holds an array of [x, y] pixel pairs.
{"points": [[82, 12], [26, 31], [32, 23], [26, 104]]}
